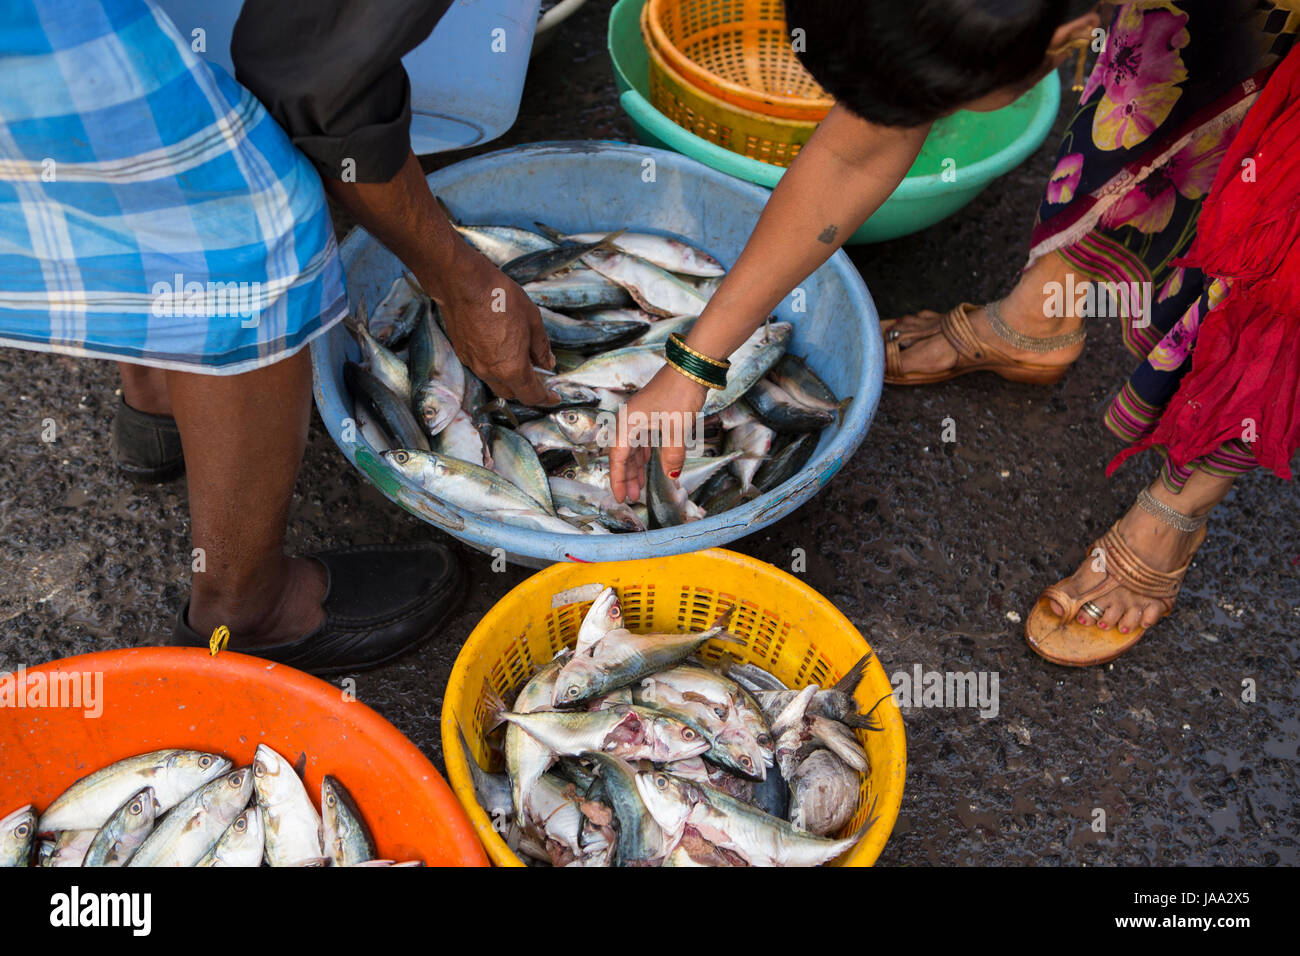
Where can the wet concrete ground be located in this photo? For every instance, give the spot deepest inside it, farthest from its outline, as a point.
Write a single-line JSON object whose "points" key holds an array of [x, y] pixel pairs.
{"points": [[932, 549]]}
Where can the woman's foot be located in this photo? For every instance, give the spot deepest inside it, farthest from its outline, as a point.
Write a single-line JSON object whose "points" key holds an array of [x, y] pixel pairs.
{"points": [[1130, 578], [926, 351], [1158, 544]]}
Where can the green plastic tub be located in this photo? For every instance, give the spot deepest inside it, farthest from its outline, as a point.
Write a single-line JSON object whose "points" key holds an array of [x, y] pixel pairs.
{"points": [[984, 146]]}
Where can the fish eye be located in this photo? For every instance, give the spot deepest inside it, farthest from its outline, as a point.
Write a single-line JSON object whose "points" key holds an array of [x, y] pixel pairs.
{"points": [[241, 824], [259, 769], [764, 740], [136, 808], [572, 692], [330, 800], [205, 762], [688, 734], [747, 763], [236, 780], [615, 611], [401, 457], [22, 830], [720, 711], [661, 781]]}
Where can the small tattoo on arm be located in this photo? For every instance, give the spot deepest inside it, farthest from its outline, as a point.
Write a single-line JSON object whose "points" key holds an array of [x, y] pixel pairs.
{"points": [[828, 234]]}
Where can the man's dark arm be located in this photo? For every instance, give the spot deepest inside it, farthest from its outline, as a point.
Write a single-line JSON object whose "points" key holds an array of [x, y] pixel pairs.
{"points": [[330, 73]]}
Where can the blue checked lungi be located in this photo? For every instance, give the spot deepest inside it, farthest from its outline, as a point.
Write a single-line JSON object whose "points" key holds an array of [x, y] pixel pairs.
{"points": [[150, 209]]}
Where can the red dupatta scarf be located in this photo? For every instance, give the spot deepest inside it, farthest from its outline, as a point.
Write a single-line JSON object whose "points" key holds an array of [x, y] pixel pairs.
{"points": [[1245, 374]]}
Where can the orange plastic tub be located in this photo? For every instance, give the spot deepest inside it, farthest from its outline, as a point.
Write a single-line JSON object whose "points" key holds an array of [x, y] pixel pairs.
{"points": [[160, 697]]}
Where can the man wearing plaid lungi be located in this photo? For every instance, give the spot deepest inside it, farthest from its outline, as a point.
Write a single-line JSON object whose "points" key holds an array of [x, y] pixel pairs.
{"points": [[152, 212]]}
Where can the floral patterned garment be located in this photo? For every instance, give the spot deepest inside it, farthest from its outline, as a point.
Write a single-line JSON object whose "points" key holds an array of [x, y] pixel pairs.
{"points": [[1164, 99]]}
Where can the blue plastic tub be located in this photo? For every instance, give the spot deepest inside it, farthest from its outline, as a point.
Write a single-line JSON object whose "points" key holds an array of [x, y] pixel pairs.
{"points": [[587, 186], [466, 77]]}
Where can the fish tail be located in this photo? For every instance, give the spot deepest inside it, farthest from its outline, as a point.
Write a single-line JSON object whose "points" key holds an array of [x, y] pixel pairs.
{"points": [[414, 283], [872, 817], [358, 318], [494, 709], [608, 241], [502, 406], [550, 232], [850, 681], [869, 720]]}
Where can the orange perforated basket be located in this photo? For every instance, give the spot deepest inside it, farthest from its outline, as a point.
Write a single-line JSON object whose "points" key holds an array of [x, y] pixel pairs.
{"points": [[786, 627], [768, 139], [739, 51]]}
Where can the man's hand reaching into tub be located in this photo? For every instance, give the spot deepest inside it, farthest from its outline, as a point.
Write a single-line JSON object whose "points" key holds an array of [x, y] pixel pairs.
{"points": [[496, 330]]}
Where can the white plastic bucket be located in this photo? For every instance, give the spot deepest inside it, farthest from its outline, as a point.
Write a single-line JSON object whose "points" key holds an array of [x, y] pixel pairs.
{"points": [[466, 78]]}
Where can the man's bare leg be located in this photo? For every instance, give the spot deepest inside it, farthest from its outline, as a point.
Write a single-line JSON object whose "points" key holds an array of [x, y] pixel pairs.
{"points": [[145, 388], [244, 437]]}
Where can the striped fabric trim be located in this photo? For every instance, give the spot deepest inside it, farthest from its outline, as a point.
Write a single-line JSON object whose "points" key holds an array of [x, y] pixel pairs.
{"points": [[1130, 418], [1230, 460], [1105, 260], [285, 347]]}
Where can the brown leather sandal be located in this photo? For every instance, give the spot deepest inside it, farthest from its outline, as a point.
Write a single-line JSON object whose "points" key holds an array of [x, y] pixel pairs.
{"points": [[973, 354], [1063, 640]]}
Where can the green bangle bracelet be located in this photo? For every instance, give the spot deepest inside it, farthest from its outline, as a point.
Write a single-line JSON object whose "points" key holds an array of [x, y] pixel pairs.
{"points": [[692, 366]]}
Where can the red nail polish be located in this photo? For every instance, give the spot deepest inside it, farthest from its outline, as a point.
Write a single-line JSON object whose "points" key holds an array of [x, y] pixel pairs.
{"points": [[1103, 625], [1123, 630], [674, 474]]}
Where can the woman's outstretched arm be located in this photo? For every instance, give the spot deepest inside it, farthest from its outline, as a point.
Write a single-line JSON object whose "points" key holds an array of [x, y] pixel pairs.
{"points": [[844, 174]]}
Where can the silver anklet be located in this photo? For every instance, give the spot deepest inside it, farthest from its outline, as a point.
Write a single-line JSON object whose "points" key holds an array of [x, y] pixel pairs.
{"points": [[1028, 342], [1158, 509]]}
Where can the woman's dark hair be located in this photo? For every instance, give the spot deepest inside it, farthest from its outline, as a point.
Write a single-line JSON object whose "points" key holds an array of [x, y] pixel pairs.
{"points": [[908, 62]]}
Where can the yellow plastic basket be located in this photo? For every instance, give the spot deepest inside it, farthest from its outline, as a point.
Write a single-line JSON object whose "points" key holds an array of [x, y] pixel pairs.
{"points": [[786, 626], [768, 139], [739, 51]]}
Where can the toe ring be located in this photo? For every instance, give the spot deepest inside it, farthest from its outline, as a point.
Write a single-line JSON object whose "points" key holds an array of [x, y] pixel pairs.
{"points": [[1092, 610]]}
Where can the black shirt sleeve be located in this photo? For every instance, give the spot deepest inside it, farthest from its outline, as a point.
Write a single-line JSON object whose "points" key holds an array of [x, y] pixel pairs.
{"points": [[330, 72]]}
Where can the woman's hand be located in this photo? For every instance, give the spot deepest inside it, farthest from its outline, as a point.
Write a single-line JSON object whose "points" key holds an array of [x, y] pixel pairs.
{"points": [[660, 414]]}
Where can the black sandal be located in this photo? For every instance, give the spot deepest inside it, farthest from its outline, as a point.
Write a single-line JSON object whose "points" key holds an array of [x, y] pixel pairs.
{"points": [[380, 602], [147, 447]]}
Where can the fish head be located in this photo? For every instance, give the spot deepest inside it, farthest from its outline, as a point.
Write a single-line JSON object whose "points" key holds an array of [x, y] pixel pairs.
{"points": [[417, 465], [667, 798], [141, 811], [17, 829], [579, 679], [570, 393], [437, 406], [738, 749], [271, 775], [582, 426], [235, 788], [605, 614], [248, 825], [336, 804], [194, 765], [671, 739]]}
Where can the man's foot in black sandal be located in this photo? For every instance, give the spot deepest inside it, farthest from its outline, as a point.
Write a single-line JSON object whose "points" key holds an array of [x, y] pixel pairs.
{"points": [[379, 602], [146, 447]]}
